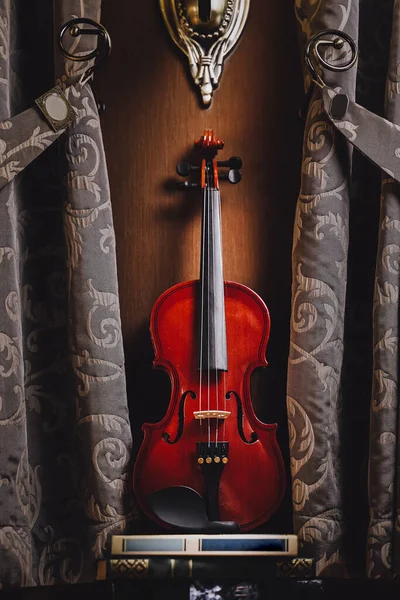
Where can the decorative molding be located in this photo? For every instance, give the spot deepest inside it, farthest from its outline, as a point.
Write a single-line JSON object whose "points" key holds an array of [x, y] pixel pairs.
{"points": [[206, 31]]}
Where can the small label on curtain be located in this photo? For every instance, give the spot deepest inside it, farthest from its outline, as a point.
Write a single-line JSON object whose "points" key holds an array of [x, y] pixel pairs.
{"points": [[56, 109]]}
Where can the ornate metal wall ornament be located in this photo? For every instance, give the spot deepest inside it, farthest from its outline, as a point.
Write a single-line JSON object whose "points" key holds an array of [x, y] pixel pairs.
{"points": [[206, 31]]}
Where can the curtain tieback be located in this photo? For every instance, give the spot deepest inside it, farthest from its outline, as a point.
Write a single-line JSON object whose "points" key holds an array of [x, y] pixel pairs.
{"points": [[375, 137], [24, 136]]}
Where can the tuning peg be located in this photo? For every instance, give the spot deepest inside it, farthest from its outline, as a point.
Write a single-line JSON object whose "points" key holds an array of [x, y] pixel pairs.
{"points": [[187, 185], [234, 162], [184, 168], [233, 176]]}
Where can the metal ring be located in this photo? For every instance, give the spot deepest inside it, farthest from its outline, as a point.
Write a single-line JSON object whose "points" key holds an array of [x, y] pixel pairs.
{"points": [[316, 41], [103, 48]]}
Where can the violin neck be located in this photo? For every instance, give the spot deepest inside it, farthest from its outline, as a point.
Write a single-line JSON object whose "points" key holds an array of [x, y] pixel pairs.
{"points": [[213, 353]]}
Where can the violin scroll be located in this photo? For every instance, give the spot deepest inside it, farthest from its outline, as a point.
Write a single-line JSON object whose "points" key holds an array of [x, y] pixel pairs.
{"points": [[209, 144], [210, 173]]}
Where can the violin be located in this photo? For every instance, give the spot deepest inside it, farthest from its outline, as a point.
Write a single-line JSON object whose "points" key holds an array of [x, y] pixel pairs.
{"points": [[209, 335]]}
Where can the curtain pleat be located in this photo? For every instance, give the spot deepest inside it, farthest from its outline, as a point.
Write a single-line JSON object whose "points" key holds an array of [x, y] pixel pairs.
{"points": [[343, 397], [17, 502], [65, 433], [383, 532], [320, 251]]}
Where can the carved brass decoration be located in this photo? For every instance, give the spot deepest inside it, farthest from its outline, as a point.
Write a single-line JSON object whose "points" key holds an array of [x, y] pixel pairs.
{"points": [[206, 31]]}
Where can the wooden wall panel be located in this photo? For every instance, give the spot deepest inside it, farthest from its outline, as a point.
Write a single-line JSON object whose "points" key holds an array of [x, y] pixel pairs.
{"points": [[152, 116]]}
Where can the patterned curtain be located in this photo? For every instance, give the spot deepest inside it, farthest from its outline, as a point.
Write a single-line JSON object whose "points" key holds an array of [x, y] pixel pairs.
{"points": [[65, 440], [343, 398]]}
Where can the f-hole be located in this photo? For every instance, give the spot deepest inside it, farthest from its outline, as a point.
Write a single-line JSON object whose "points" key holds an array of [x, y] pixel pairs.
{"points": [[167, 436], [253, 436]]}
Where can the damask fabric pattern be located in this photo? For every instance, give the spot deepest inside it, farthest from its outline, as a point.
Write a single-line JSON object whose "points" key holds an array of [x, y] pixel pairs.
{"points": [[65, 441], [384, 483], [318, 301], [317, 397]]}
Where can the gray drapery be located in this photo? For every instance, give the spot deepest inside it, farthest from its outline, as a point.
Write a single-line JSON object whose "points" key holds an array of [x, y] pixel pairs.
{"points": [[65, 440], [343, 399]]}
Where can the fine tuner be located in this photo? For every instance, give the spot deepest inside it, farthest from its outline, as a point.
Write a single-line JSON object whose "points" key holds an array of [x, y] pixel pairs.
{"points": [[234, 164]]}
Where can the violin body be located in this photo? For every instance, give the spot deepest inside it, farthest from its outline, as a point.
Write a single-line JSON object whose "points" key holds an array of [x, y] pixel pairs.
{"points": [[252, 481], [209, 336]]}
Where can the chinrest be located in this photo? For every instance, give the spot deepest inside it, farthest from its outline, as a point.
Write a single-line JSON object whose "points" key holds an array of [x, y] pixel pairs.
{"points": [[183, 508]]}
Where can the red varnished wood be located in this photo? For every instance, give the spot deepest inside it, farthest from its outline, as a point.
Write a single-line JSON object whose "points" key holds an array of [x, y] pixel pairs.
{"points": [[252, 484]]}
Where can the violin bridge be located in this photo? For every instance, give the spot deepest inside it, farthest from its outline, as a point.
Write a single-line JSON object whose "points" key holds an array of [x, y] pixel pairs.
{"points": [[211, 414]]}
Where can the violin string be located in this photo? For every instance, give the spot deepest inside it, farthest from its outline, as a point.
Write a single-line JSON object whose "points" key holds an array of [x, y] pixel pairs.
{"points": [[202, 307], [224, 392], [214, 200], [224, 372], [208, 309]]}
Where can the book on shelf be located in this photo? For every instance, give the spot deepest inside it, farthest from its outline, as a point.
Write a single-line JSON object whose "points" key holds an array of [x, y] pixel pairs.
{"points": [[204, 568], [206, 545]]}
